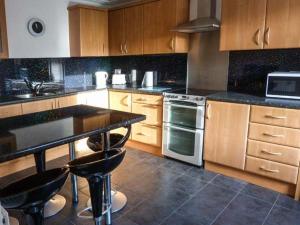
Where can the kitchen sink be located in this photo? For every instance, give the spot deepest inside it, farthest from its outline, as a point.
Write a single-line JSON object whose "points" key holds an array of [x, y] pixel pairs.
{"points": [[27, 96]]}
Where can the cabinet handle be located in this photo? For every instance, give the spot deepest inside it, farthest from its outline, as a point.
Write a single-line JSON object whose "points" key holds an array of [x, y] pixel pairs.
{"points": [[125, 48], [141, 99], [151, 126], [123, 100], [271, 153], [267, 36], [275, 117], [268, 170], [273, 135], [257, 37], [141, 134], [172, 44], [208, 111], [121, 48]]}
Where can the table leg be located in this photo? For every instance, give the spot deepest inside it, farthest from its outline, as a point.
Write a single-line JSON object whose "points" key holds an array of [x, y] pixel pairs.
{"points": [[40, 161], [72, 154]]}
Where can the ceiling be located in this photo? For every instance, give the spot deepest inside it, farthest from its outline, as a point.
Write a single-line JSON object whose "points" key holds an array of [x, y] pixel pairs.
{"points": [[114, 3]]}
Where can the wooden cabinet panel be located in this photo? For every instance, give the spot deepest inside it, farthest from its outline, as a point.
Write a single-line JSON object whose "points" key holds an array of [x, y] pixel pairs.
{"points": [[88, 31], [3, 32], [147, 99], [38, 106], [272, 169], [277, 153], [116, 32], [274, 134], [66, 101], [243, 24], [10, 110], [153, 113], [147, 134], [120, 101], [276, 116], [282, 24], [226, 129], [133, 21]]}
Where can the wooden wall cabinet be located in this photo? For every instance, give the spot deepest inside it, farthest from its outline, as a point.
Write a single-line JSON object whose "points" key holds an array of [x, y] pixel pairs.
{"points": [[126, 31], [226, 130], [88, 31], [260, 24], [3, 32]]}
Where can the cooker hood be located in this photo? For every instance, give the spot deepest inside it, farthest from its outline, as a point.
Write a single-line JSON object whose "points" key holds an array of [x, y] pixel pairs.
{"points": [[206, 13]]}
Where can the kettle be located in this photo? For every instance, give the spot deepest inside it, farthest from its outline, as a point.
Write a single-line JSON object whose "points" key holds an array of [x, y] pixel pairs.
{"points": [[101, 78], [150, 79]]}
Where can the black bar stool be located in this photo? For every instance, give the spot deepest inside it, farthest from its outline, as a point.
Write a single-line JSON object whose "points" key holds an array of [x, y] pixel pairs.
{"points": [[31, 193], [95, 168]]}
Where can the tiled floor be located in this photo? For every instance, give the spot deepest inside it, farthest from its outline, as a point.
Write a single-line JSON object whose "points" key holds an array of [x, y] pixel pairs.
{"points": [[165, 192]]}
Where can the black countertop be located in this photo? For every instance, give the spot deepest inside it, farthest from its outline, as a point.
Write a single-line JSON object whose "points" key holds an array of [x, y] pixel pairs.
{"points": [[32, 133], [254, 100]]}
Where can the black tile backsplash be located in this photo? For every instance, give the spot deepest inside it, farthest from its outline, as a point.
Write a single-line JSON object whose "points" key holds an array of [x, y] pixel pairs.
{"points": [[171, 67], [248, 70]]}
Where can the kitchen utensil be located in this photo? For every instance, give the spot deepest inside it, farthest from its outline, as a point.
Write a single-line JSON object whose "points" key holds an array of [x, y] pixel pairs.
{"points": [[101, 78]]}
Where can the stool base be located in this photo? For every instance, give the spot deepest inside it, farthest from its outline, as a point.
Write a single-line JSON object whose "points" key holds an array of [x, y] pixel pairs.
{"points": [[119, 201], [13, 221], [54, 206]]}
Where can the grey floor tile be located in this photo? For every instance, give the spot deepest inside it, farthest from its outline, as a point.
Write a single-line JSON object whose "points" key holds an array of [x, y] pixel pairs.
{"points": [[260, 193], [176, 219], [228, 182], [288, 202], [124, 221], [200, 173], [207, 204], [244, 210], [188, 184], [176, 166], [283, 216]]}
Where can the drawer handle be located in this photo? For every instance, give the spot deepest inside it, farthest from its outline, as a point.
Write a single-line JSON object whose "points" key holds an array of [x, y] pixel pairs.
{"points": [[141, 99], [276, 117], [273, 135], [141, 134], [271, 153], [268, 170]]}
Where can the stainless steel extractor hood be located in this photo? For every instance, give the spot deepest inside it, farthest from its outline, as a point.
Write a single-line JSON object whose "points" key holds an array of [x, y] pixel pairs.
{"points": [[206, 13]]}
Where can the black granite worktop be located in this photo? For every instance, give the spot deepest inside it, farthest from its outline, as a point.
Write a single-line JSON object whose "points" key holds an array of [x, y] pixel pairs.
{"points": [[235, 97], [33, 133]]}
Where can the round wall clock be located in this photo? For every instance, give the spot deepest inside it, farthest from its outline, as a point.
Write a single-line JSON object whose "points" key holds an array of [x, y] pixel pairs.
{"points": [[36, 27]]}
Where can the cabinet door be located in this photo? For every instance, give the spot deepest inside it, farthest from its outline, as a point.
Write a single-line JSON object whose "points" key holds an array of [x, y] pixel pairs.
{"points": [[226, 129], [116, 32], [67, 101], [133, 20], [3, 32], [243, 24], [10, 110], [94, 32], [38, 106], [120, 101], [282, 24]]}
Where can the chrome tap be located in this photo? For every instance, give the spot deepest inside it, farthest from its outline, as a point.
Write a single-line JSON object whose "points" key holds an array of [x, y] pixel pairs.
{"points": [[35, 89]]}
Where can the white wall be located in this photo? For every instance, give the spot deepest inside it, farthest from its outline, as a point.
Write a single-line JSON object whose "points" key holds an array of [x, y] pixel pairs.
{"points": [[55, 41]]}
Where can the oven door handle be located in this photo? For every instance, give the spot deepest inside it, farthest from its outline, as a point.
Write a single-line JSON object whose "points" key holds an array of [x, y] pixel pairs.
{"points": [[180, 128], [182, 106]]}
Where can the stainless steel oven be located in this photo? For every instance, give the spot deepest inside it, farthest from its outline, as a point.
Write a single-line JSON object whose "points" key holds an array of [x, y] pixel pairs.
{"points": [[183, 124]]}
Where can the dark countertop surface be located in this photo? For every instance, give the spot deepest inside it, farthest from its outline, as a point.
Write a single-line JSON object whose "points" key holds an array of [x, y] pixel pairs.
{"points": [[33, 133], [254, 100]]}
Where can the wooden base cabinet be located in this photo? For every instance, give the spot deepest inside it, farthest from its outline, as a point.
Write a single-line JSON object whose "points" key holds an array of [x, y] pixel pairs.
{"points": [[3, 32], [10, 110], [226, 129]]}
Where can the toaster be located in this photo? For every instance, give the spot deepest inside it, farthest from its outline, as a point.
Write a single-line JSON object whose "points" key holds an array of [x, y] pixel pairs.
{"points": [[118, 79]]}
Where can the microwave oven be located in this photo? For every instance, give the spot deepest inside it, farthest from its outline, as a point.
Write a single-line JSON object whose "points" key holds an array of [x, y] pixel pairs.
{"points": [[283, 85]]}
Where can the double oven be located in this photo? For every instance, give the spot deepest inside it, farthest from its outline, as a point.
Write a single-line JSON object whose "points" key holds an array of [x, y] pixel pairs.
{"points": [[183, 127]]}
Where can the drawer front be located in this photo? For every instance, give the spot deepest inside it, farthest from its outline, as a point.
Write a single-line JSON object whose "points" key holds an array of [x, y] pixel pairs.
{"points": [[38, 106], [271, 169], [10, 111], [276, 135], [67, 101], [277, 153], [120, 101], [147, 99], [153, 113], [275, 116], [147, 134]]}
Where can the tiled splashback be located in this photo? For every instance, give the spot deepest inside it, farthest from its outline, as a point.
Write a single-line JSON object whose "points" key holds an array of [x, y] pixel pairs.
{"points": [[73, 72], [248, 70]]}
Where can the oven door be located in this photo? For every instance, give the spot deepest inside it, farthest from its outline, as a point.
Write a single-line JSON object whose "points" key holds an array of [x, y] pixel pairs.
{"points": [[184, 114], [183, 144]]}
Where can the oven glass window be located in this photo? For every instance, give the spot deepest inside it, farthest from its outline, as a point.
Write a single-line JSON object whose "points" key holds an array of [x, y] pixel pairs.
{"points": [[181, 142], [285, 86], [182, 116]]}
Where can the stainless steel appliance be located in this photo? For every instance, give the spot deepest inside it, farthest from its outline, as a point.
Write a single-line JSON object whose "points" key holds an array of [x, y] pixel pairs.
{"points": [[283, 85], [183, 127]]}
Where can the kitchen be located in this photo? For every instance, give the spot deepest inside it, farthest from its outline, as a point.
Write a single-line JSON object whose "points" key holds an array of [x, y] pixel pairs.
{"points": [[192, 107]]}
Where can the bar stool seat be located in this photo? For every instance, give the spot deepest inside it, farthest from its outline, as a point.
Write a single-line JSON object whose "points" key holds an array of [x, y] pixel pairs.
{"points": [[94, 168], [31, 193]]}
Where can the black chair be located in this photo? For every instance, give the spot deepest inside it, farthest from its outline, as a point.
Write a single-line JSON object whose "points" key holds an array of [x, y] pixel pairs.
{"points": [[116, 141], [31, 193], [95, 168]]}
